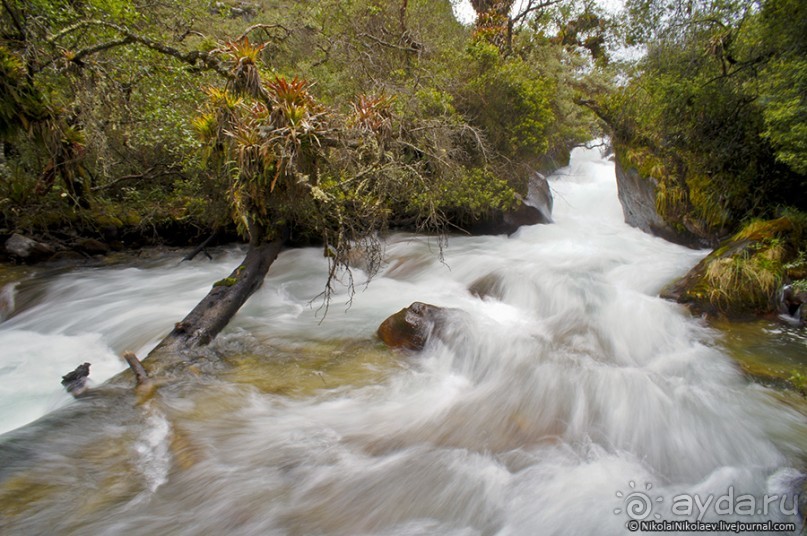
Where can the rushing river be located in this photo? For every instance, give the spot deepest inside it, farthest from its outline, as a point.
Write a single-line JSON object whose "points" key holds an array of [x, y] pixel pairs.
{"points": [[541, 408]]}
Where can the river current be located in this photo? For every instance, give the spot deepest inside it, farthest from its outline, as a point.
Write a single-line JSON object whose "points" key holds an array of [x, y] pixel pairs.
{"points": [[549, 406]]}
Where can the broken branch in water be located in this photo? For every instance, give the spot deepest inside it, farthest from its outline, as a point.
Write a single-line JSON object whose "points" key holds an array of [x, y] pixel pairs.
{"points": [[137, 367]]}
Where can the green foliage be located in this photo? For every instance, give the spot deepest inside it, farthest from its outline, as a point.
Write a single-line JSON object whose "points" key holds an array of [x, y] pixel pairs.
{"points": [[799, 382], [181, 113], [746, 281], [719, 108], [746, 273], [509, 100], [475, 193], [20, 103], [785, 96]]}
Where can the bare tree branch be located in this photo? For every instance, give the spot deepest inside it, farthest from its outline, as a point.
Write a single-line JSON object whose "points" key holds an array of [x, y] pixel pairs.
{"points": [[145, 175], [194, 58], [388, 44], [533, 7], [265, 27], [83, 53]]}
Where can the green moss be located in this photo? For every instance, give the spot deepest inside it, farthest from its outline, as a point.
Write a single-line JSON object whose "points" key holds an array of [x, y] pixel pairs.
{"points": [[745, 274], [226, 282], [745, 281], [799, 382], [762, 230]]}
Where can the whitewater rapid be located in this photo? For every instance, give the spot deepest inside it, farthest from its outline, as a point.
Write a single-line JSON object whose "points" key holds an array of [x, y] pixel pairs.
{"points": [[538, 410]]}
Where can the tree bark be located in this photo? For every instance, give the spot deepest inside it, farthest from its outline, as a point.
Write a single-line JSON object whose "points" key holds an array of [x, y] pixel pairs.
{"points": [[214, 312]]}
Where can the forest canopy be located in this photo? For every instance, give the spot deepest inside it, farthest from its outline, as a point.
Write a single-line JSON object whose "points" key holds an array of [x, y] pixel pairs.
{"points": [[333, 118], [716, 109]]}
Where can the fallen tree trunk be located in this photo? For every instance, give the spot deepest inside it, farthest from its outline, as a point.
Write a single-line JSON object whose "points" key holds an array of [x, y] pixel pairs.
{"points": [[58, 429], [226, 297]]}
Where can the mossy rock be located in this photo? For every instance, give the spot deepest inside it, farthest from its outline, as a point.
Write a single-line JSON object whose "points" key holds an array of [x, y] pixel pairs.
{"points": [[743, 276], [107, 220]]}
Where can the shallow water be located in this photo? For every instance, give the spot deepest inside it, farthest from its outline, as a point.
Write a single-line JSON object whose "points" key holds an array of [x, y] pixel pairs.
{"points": [[568, 383]]}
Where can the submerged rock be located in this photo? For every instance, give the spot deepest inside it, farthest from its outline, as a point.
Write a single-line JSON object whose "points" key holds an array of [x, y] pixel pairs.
{"points": [[410, 327], [490, 285], [75, 382], [793, 302]]}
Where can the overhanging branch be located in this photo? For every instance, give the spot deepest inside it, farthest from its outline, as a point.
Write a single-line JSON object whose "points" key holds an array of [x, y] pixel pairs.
{"points": [[195, 58], [531, 8]]}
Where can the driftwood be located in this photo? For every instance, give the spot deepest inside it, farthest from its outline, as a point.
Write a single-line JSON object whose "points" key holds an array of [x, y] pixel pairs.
{"points": [[137, 367], [202, 324], [56, 431]]}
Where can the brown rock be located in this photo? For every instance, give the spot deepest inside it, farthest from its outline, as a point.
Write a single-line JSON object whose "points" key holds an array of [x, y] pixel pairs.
{"points": [[411, 327], [793, 302], [489, 285], [66, 256], [91, 246]]}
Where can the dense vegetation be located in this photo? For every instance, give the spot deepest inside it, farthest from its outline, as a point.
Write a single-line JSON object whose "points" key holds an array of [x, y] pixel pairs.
{"points": [[333, 119], [715, 115], [716, 112]]}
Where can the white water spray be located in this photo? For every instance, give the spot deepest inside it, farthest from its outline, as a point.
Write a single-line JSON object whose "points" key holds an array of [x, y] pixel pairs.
{"points": [[538, 404]]}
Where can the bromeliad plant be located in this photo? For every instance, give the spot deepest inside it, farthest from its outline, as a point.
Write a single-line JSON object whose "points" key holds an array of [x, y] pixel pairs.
{"points": [[266, 135], [373, 114], [287, 161], [244, 57], [270, 140]]}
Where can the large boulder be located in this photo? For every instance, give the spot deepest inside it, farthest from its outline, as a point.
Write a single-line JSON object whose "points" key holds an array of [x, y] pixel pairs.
{"points": [[509, 221], [411, 327], [637, 195], [27, 250], [540, 196], [656, 197]]}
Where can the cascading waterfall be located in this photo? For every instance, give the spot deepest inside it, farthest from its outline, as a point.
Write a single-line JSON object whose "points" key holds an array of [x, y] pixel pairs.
{"points": [[540, 407]]}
